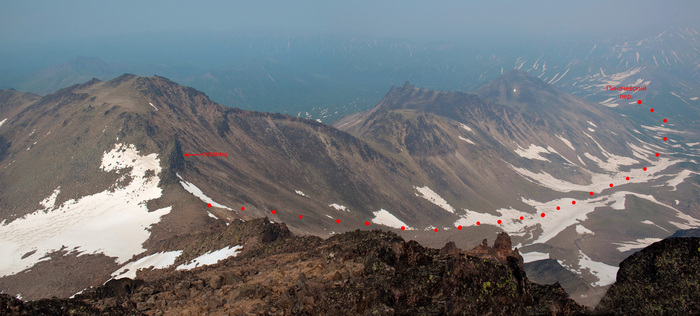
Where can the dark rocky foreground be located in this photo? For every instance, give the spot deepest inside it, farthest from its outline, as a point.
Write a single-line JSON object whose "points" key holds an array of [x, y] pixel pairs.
{"points": [[661, 279], [373, 273], [355, 273]]}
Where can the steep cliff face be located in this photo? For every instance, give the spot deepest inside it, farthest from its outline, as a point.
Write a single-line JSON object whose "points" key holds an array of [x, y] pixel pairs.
{"points": [[355, 273], [662, 279]]}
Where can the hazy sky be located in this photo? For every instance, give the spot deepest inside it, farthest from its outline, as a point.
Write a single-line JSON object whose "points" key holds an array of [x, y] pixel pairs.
{"points": [[37, 21]]}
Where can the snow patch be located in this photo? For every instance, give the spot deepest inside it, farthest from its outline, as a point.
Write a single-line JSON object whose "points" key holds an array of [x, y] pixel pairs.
{"points": [[211, 257], [583, 230], [50, 202], [212, 215], [112, 222], [383, 217], [430, 195], [466, 140], [301, 193], [159, 260], [605, 273], [339, 207], [3, 121], [635, 244], [679, 178], [153, 106], [466, 127], [532, 152], [566, 141]]}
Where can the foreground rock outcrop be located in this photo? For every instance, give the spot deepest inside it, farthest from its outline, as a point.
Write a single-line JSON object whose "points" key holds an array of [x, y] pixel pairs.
{"points": [[661, 279]]}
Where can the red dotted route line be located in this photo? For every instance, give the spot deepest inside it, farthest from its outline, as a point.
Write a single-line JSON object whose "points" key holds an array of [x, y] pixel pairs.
{"points": [[573, 202]]}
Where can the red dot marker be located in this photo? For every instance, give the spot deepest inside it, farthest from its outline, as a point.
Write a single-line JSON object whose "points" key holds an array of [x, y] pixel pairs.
{"points": [[301, 216], [478, 223], [628, 178], [573, 202], [337, 221], [521, 218], [639, 101], [499, 222], [542, 214], [403, 227], [209, 205], [665, 120], [591, 193], [652, 110], [558, 208], [459, 227], [366, 223], [274, 212], [611, 185], [435, 230], [242, 208], [665, 138], [645, 168], [657, 154]]}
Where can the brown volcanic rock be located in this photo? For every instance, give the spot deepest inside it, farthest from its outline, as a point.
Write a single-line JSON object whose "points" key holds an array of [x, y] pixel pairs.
{"points": [[355, 273], [502, 249]]}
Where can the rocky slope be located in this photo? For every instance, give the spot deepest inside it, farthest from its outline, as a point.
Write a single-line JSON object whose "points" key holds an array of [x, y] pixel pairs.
{"points": [[354, 273]]}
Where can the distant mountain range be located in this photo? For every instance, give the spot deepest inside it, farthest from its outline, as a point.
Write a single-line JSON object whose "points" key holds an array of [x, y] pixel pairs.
{"points": [[328, 78]]}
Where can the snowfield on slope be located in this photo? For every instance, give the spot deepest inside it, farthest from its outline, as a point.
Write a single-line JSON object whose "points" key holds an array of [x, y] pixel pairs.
{"points": [[113, 223], [159, 260], [383, 217], [211, 257]]}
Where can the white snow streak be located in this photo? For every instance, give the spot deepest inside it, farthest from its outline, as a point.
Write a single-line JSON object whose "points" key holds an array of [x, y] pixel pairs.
{"points": [[466, 127], [339, 207], [211, 257], [430, 195], [466, 140], [301, 193], [159, 260], [383, 217], [636, 244], [534, 256], [566, 141], [189, 187]]}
